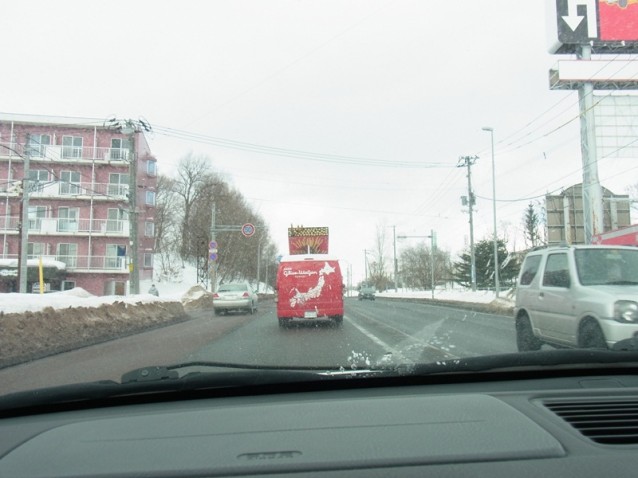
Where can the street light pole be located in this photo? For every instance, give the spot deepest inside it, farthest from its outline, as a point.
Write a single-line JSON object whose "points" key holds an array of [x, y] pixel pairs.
{"points": [[496, 275]]}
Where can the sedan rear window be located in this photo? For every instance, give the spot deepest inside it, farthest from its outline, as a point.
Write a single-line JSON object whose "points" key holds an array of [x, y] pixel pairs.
{"points": [[232, 288]]}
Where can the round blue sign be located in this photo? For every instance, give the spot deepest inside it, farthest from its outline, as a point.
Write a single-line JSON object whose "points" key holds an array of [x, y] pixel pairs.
{"points": [[248, 229]]}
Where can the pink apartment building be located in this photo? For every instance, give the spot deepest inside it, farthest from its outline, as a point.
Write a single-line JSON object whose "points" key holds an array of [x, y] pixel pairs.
{"points": [[78, 203]]}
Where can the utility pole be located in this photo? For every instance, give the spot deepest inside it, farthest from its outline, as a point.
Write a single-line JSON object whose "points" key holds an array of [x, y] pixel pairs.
{"points": [[24, 222], [212, 261], [132, 214], [131, 128], [396, 269], [365, 264], [468, 161]]}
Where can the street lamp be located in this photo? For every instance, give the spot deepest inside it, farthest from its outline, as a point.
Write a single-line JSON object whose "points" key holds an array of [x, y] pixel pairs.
{"points": [[432, 238], [496, 278]]}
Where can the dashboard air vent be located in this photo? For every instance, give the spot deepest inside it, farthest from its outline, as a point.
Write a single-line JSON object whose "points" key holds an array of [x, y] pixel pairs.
{"points": [[607, 421]]}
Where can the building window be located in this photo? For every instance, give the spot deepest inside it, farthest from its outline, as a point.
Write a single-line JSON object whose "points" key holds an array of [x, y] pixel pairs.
{"points": [[68, 284], [37, 144], [115, 256], [148, 259], [118, 184], [67, 253], [36, 249], [150, 198], [151, 168], [115, 220], [119, 148], [68, 218], [72, 147], [38, 178], [149, 229], [36, 214], [69, 182]]}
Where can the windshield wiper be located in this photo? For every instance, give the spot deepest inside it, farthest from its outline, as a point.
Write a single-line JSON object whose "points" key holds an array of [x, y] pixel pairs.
{"points": [[181, 371], [621, 282], [160, 383]]}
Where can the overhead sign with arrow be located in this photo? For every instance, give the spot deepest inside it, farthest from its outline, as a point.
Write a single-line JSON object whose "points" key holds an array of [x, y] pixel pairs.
{"points": [[609, 26]]}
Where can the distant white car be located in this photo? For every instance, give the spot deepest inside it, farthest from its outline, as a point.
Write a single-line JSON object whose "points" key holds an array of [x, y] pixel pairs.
{"points": [[235, 296]]}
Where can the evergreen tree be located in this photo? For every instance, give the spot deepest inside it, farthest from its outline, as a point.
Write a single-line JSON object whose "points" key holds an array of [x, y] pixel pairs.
{"points": [[532, 222], [484, 258]]}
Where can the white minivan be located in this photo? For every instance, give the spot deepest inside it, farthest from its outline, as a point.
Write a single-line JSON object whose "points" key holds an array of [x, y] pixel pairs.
{"points": [[577, 296]]}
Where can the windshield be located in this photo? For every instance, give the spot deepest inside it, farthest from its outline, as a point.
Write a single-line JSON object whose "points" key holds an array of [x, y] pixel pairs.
{"points": [[607, 266], [366, 177]]}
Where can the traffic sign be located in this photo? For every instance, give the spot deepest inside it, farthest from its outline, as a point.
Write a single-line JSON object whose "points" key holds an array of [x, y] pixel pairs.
{"points": [[213, 256], [212, 245], [248, 229]]}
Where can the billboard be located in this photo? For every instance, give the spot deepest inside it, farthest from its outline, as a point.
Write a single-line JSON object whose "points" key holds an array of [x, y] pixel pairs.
{"points": [[618, 20], [616, 120], [610, 26], [308, 240]]}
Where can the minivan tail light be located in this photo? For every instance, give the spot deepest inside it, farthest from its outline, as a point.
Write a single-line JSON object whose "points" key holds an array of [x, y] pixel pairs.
{"points": [[215, 295], [246, 294]]}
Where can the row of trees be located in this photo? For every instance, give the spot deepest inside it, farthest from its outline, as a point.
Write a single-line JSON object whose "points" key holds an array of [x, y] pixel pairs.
{"points": [[421, 265], [186, 204]]}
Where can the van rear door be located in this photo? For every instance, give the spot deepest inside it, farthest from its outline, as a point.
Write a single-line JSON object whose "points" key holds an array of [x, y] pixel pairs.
{"points": [[309, 287]]}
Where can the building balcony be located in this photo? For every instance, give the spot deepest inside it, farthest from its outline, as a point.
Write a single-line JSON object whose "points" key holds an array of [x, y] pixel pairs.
{"points": [[59, 153], [68, 227], [105, 264], [68, 190]]}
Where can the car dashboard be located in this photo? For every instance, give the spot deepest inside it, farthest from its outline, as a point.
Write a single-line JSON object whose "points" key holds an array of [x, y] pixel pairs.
{"points": [[504, 426]]}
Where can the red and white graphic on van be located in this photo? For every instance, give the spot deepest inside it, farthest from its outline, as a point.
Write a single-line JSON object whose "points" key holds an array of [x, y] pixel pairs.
{"points": [[314, 292]]}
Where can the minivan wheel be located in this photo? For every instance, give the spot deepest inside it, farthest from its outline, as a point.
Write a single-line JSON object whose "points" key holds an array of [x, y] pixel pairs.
{"points": [[591, 336], [526, 341]]}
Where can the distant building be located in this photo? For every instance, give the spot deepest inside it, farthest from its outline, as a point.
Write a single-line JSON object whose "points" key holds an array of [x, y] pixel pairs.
{"points": [[78, 202], [565, 215]]}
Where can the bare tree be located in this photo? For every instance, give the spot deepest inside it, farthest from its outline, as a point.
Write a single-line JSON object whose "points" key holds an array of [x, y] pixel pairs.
{"points": [[192, 173], [167, 236], [417, 266], [378, 275], [185, 206]]}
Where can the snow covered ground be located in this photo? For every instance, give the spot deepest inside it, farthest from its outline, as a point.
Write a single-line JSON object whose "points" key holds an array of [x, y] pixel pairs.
{"points": [[174, 292]]}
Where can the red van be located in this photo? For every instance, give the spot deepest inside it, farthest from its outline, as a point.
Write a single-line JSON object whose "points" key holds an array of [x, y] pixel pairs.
{"points": [[309, 287]]}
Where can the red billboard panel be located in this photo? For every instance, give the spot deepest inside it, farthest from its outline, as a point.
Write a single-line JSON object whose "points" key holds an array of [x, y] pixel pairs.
{"points": [[618, 20], [308, 240]]}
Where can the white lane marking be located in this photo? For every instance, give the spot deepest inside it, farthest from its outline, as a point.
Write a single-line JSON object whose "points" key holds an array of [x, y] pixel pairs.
{"points": [[418, 339], [378, 341]]}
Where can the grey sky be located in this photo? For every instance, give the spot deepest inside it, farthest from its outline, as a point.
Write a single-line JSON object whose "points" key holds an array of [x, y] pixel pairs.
{"points": [[402, 81]]}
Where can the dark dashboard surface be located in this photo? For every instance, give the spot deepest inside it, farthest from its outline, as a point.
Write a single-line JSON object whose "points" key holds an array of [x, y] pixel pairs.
{"points": [[490, 428]]}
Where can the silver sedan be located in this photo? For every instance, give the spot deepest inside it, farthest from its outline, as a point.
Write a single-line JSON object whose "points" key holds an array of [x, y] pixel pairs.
{"points": [[235, 296]]}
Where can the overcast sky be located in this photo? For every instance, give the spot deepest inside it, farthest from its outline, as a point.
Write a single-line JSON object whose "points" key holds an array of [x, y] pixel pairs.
{"points": [[382, 96]]}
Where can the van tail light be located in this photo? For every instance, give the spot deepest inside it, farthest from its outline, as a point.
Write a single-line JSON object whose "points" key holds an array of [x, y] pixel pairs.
{"points": [[215, 295], [246, 294]]}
